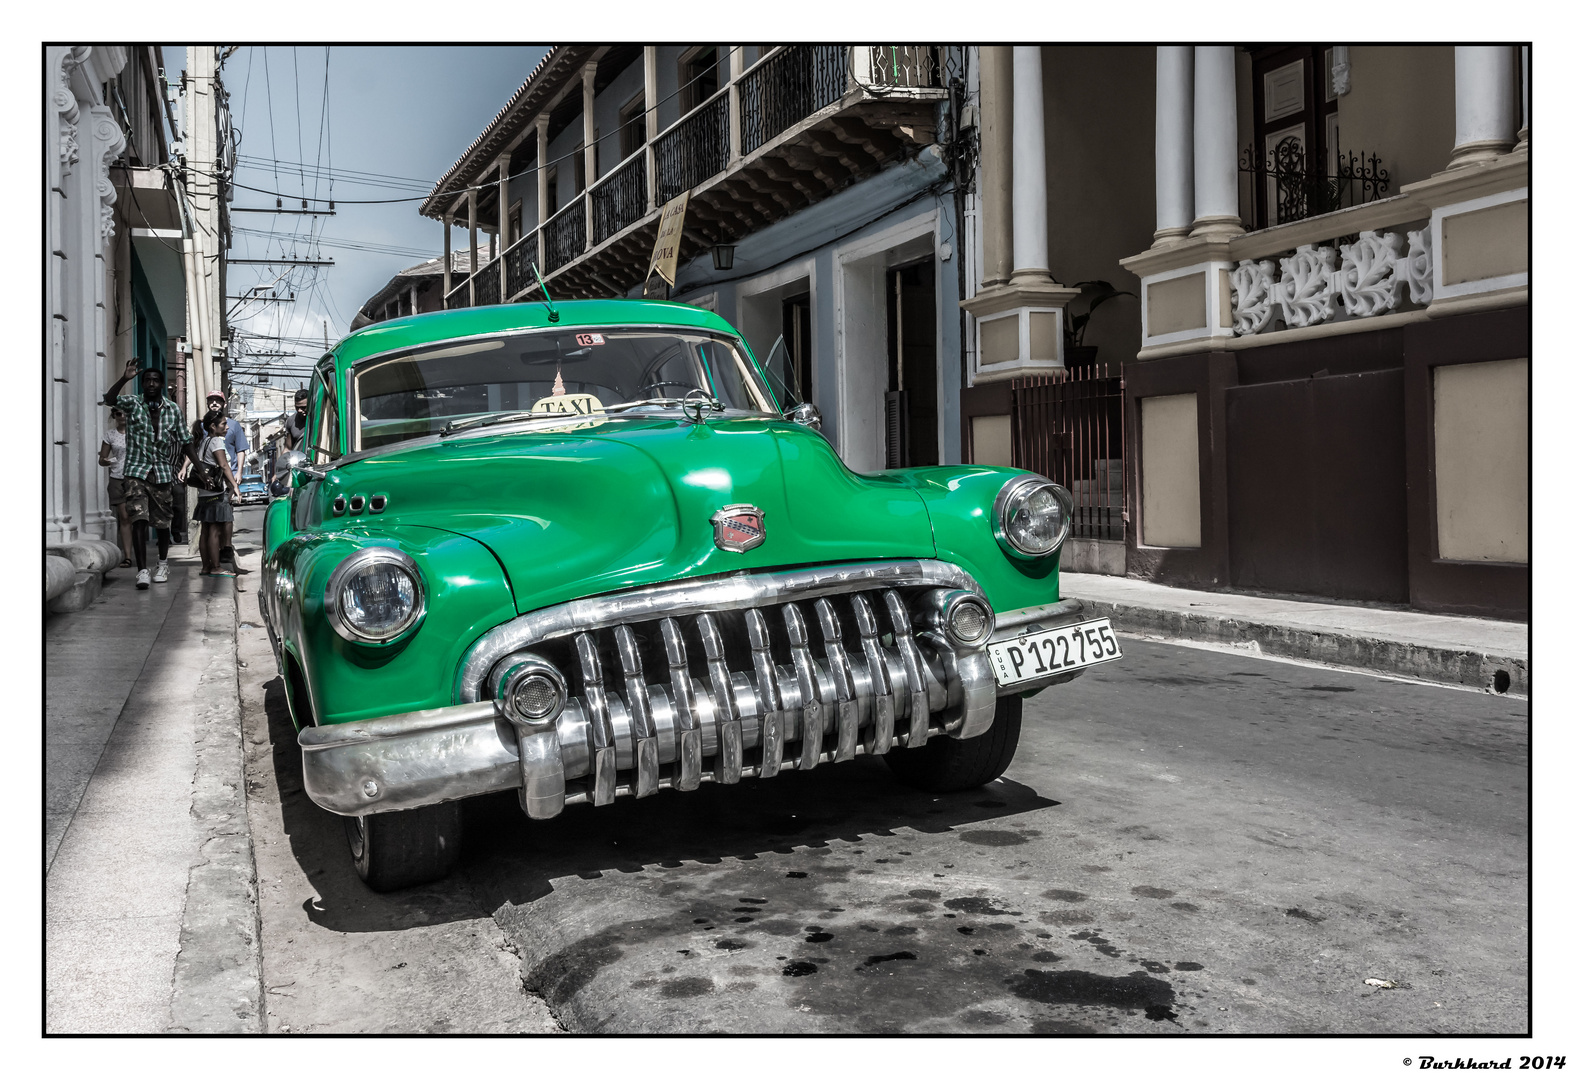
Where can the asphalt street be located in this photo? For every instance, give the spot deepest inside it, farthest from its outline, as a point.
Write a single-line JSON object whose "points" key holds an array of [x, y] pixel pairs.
{"points": [[1187, 841]]}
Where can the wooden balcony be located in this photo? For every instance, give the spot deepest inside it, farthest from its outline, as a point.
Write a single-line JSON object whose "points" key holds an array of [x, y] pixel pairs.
{"points": [[802, 123]]}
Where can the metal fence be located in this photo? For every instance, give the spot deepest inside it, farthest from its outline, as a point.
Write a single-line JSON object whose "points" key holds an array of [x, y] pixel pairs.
{"points": [[1071, 428], [563, 236], [459, 297], [693, 151], [787, 86], [619, 198]]}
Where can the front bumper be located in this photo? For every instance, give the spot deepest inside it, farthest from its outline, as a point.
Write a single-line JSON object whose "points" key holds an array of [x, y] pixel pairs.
{"points": [[894, 681]]}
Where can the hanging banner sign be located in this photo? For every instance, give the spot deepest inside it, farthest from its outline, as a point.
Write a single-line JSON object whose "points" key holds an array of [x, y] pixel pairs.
{"points": [[664, 257]]}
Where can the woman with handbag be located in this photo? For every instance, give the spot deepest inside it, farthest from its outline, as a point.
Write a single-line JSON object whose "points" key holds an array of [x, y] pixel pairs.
{"points": [[211, 475]]}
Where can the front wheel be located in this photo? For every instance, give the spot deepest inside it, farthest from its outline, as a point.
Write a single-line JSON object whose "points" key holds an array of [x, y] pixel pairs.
{"points": [[947, 764], [405, 847]]}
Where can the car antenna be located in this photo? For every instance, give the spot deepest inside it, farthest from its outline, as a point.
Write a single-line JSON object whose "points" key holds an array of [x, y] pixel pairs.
{"points": [[546, 296]]}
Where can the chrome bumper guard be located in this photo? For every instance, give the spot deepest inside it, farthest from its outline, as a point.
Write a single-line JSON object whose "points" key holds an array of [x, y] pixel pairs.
{"points": [[828, 663]]}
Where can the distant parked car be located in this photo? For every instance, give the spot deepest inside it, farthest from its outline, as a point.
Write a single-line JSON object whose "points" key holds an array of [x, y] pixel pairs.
{"points": [[589, 551], [252, 490]]}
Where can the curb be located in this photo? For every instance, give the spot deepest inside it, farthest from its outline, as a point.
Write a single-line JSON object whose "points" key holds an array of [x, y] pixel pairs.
{"points": [[1463, 668], [218, 972]]}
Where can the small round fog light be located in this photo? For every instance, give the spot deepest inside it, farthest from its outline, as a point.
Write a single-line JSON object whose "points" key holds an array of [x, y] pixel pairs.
{"points": [[533, 697], [969, 622]]}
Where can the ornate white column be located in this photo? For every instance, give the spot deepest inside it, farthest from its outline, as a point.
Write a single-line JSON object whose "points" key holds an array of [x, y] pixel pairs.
{"points": [[994, 152], [1214, 172], [1172, 144], [1029, 186], [1019, 323], [1483, 103]]}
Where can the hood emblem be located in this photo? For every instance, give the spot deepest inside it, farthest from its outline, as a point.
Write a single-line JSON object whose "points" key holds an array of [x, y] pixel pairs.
{"points": [[739, 527]]}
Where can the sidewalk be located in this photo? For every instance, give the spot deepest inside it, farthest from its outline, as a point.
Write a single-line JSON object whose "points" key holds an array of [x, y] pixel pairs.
{"points": [[150, 891], [1455, 650]]}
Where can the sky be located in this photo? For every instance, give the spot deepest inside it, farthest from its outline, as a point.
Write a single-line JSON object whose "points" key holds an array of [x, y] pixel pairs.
{"points": [[396, 118]]}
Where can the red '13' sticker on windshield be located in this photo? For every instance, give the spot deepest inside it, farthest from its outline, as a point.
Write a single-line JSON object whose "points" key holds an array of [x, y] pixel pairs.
{"points": [[590, 339]]}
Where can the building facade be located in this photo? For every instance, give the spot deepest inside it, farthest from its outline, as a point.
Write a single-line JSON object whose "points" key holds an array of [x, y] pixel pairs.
{"points": [[1323, 363], [113, 288], [823, 185]]}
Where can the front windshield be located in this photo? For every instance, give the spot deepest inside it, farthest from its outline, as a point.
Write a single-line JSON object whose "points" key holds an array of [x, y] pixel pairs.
{"points": [[550, 374]]}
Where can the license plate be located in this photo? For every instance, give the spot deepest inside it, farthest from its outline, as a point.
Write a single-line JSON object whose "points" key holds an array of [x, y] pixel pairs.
{"points": [[1051, 652]]}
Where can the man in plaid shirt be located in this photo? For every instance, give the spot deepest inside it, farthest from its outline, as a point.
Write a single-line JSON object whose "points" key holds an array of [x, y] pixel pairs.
{"points": [[154, 431]]}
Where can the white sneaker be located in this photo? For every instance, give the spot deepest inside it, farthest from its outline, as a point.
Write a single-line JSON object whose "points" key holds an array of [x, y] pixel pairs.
{"points": [[161, 575], [142, 578]]}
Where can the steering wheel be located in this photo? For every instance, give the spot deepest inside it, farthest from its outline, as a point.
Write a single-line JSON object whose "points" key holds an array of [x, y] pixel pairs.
{"points": [[667, 382]]}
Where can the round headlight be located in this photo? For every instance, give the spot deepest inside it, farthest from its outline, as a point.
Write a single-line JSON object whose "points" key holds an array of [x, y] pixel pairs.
{"points": [[375, 595], [1032, 516]]}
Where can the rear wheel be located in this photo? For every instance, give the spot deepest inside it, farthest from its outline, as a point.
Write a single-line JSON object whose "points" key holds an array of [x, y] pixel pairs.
{"points": [[405, 847], [947, 764]]}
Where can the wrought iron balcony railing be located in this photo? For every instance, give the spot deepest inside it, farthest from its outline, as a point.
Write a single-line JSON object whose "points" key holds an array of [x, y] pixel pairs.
{"points": [[563, 236], [786, 86], [914, 66], [488, 287], [619, 199], [693, 150], [518, 259], [1287, 187], [459, 296]]}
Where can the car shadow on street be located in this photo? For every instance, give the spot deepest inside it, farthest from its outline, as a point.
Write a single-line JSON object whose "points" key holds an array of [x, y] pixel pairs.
{"points": [[509, 857]]}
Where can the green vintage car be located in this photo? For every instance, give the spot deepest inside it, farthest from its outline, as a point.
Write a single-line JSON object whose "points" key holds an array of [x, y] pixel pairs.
{"points": [[593, 550]]}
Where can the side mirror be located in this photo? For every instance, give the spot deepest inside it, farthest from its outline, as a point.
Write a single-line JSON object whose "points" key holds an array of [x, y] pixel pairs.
{"points": [[804, 413], [296, 461]]}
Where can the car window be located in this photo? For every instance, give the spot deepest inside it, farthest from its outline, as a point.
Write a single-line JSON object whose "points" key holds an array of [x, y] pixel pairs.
{"points": [[325, 422], [572, 372]]}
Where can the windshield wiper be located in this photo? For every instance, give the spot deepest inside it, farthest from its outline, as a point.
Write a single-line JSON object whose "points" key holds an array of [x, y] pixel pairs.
{"points": [[622, 405], [483, 421]]}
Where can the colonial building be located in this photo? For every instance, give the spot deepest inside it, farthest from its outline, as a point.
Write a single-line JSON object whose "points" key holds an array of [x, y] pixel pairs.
{"points": [[108, 299], [1324, 365], [822, 195]]}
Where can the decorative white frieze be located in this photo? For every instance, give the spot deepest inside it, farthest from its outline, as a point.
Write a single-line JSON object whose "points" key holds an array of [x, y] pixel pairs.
{"points": [[1365, 277]]}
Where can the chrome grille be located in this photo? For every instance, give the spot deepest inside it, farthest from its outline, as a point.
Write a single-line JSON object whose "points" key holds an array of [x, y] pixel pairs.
{"points": [[779, 687]]}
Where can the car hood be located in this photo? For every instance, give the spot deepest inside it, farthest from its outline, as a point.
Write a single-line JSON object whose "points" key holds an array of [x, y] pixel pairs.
{"points": [[629, 501]]}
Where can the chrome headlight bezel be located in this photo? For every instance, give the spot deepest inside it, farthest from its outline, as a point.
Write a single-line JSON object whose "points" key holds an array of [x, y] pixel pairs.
{"points": [[353, 564], [1017, 490]]}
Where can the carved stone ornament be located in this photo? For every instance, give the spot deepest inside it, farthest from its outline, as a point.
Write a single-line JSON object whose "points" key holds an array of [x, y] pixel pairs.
{"points": [[1304, 293], [110, 142], [1367, 280], [66, 107], [1252, 292], [1366, 277]]}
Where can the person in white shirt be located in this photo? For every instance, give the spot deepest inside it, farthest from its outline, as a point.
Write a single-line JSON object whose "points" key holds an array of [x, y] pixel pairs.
{"points": [[213, 504], [112, 452]]}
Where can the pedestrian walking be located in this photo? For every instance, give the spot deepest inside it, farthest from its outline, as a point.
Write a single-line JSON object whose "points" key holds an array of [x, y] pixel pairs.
{"points": [[234, 445], [154, 432], [295, 422], [214, 510], [112, 453]]}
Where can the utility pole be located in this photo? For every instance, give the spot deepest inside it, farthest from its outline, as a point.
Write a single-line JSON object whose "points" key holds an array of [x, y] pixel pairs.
{"points": [[205, 165]]}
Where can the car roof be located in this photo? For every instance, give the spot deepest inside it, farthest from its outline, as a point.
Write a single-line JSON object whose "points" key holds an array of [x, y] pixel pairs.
{"points": [[526, 315]]}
